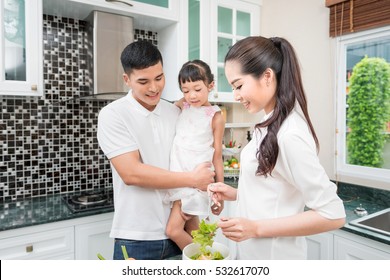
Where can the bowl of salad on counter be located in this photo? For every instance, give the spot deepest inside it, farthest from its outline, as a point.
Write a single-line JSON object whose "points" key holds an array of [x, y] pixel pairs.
{"points": [[203, 246]]}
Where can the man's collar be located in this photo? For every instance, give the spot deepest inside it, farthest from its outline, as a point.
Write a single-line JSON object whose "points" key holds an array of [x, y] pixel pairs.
{"points": [[142, 109]]}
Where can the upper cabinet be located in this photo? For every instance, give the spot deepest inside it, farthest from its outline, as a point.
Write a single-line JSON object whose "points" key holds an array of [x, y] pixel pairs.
{"points": [[21, 47], [166, 9], [213, 27], [150, 12], [163, 17]]}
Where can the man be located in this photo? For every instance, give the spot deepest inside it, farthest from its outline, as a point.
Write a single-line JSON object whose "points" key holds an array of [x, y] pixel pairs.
{"points": [[136, 134]]}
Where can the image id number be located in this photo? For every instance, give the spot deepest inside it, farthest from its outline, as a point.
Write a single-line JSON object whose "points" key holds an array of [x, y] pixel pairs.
{"points": [[246, 270]]}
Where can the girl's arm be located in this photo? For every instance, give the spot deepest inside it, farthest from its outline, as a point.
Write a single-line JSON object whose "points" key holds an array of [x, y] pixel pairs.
{"points": [[218, 125]]}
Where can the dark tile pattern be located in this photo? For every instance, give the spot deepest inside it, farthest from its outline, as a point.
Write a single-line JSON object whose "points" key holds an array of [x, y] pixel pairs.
{"points": [[48, 145], [145, 35]]}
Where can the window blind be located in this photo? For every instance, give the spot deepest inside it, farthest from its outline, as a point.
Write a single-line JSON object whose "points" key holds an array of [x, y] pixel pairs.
{"points": [[348, 16]]}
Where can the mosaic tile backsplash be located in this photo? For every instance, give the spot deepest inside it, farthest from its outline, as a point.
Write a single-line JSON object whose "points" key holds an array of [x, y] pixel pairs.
{"points": [[48, 144]]}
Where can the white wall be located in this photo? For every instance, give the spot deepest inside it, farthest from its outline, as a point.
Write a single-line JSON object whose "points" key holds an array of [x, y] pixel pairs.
{"points": [[305, 23]]}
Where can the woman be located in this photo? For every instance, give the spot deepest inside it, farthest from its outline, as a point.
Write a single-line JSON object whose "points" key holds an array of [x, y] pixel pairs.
{"points": [[280, 169]]}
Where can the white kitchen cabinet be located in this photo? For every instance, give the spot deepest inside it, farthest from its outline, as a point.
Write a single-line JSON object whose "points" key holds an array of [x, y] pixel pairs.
{"points": [[213, 27], [146, 14], [158, 9], [94, 238], [168, 9], [343, 245], [320, 246], [80, 238], [348, 246], [21, 65], [167, 22], [35, 244]]}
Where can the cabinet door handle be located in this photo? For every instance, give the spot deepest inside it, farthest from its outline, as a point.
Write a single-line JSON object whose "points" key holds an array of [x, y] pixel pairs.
{"points": [[29, 248], [34, 87], [123, 2]]}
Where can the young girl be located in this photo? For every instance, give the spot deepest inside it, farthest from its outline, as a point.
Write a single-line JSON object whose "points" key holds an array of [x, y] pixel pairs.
{"points": [[280, 169], [199, 133]]}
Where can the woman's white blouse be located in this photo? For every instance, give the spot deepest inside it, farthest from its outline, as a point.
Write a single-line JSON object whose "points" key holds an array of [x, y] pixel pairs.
{"points": [[298, 180]]}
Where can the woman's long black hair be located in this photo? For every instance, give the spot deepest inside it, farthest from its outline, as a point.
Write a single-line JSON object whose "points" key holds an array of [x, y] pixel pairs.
{"points": [[255, 55]]}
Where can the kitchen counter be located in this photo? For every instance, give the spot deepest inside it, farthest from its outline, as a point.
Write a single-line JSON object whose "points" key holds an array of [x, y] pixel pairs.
{"points": [[350, 204], [52, 208], [40, 210]]}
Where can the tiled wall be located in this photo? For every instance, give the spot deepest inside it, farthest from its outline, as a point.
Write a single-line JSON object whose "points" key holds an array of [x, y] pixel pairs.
{"points": [[48, 144]]}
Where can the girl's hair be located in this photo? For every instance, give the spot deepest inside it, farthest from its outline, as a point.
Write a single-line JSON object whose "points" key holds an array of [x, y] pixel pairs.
{"points": [[195, 70], [255, 55]]}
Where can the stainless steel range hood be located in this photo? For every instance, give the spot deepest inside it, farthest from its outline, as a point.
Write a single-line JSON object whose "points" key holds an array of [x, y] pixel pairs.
{"points": [[110, 33]]}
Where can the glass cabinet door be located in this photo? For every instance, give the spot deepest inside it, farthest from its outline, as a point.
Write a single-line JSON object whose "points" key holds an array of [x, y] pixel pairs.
{"points": [[193, 29], [213, 27], [14, 43], [21, 47], [233, 25], [243, 24]]}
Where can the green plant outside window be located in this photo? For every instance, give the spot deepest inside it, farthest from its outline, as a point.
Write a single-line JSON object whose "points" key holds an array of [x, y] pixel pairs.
{"points": [[368, 104], [368, 112]]}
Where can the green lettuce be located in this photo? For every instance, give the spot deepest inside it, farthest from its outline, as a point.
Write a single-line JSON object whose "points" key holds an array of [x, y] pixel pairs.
{"points": [[204, 236]]}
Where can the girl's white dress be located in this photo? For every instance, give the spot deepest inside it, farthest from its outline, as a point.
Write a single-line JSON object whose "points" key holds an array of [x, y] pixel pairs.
{"points": [[193, 144]]}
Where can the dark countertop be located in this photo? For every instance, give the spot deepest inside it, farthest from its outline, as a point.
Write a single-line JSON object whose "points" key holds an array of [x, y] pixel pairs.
{"points": [[52, 208], [39, 210], [350, 205]]}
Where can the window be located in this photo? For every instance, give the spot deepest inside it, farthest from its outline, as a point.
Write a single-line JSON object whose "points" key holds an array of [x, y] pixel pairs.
{"points": [[351, 50]]}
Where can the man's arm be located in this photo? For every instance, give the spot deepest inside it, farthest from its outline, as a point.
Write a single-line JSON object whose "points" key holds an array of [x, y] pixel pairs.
{"points": [[134, 172]]}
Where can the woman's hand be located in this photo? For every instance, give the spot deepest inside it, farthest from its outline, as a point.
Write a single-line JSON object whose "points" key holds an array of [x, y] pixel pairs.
{"points": [[238, 229], [217, 208], [220, 192]]}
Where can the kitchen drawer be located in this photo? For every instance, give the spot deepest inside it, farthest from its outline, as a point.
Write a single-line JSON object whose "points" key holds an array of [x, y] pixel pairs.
{"points": [[39, 245], [349, 246], [347, 249]]}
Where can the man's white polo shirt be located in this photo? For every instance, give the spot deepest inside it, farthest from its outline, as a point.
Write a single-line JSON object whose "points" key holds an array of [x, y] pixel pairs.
{"points": [[125, 126]]}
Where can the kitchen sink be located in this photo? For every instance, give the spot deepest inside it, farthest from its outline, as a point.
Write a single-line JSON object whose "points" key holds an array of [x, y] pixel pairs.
{"points": [[378, 222]]}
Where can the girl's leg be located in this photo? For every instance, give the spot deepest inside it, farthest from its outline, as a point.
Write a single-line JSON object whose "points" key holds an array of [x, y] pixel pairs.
{"points": [[192, 224], [175, 227]]}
